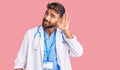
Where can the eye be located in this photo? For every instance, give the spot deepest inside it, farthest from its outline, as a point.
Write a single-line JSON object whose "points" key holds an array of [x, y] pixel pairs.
{"points": [[52, 15]]}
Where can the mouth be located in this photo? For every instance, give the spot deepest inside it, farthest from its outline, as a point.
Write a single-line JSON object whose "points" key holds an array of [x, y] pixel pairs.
{"points": [[46, 22]]}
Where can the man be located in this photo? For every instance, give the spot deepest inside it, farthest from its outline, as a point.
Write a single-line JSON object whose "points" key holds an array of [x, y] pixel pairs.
{"points": [[48, 47]]}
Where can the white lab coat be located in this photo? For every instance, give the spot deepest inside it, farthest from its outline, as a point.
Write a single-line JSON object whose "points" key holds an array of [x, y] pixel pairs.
{"points": [[30, 55]]}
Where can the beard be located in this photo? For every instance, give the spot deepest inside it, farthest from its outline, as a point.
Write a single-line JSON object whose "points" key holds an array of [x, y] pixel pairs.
{"points": [[46, 24]]}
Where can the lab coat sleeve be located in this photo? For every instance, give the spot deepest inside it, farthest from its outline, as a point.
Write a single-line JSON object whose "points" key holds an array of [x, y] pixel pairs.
{"points": [[75, 49], [20, 61]]}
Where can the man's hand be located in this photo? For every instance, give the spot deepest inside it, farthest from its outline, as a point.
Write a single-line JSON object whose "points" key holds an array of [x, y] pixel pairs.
{"points": [[64, 25]]}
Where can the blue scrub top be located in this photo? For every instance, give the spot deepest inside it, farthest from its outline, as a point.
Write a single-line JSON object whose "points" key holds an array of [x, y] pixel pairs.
{"points": [[50, 49]]}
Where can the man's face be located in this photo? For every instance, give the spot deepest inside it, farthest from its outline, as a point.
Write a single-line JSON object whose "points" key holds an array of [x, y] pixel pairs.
{"points": [[50, 18]]}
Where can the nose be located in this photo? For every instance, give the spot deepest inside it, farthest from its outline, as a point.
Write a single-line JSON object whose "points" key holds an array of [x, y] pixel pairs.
{"points": [[47, 18]]}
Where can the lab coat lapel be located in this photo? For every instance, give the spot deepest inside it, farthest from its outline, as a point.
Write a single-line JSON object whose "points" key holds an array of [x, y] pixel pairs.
{"points": [[39, 49], [41, 42], [58, 44]]}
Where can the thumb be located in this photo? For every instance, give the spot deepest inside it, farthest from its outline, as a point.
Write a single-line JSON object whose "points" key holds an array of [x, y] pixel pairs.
{"points": [[58, 23]]}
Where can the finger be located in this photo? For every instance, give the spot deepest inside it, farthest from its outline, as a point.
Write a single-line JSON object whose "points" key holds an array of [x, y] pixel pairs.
{"points": [[69, 20], [59, 26], [63, 18], [59, 23], [67, 17]]}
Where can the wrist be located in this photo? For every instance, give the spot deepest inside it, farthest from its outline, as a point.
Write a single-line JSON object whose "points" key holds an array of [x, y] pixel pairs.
{"points": [[66, 31], [68, 34]]}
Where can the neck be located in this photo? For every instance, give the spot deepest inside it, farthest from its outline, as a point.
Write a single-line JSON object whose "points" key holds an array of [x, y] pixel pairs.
{"points": [[49, 31]]}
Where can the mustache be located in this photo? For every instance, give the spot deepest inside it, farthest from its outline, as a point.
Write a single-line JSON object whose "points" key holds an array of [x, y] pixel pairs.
{"points": [[46, 20]]}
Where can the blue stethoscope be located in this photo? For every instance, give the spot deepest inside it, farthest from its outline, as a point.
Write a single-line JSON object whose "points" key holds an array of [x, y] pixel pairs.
{"points": [[39, 33]]}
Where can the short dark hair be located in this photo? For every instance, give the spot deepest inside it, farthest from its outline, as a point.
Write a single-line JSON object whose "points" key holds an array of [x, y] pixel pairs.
{"points": [[57, 7]]}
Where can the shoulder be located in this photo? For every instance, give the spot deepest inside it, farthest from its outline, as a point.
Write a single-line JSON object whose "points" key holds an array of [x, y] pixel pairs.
{"points": [[31, 31]]}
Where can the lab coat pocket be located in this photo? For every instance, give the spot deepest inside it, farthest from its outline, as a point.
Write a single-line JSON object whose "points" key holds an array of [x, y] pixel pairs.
{"points": [[63, 48], [36, 44], [38, 47]]}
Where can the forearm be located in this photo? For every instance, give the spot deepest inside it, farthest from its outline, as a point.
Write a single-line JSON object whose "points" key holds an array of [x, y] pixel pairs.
{"points": [[75, 48], [19, 69], [68, 34]]}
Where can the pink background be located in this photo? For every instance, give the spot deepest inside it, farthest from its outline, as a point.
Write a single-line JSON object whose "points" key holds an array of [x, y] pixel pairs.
{"points": [[96, 23]]}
